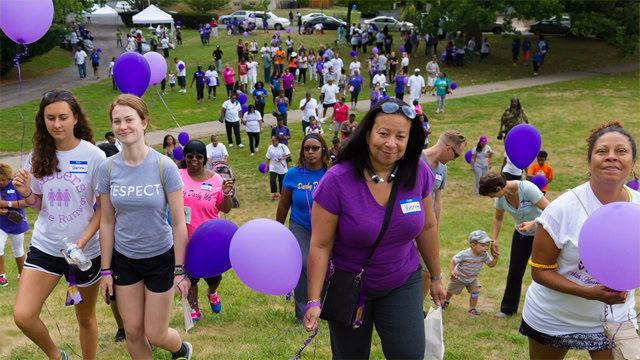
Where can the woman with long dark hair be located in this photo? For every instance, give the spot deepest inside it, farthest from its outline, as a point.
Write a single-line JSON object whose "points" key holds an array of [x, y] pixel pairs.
{"points": [[297, 195], [169, 144], [480, 157], [60, 182], [383, 153]]}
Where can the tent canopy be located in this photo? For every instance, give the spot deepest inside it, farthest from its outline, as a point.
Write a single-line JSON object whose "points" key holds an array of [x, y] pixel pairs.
{"points": [[104, 11], [152, 15]]}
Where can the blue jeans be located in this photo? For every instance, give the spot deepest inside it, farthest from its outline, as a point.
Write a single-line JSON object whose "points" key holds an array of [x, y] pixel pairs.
{"points": [[399, 320], [267, 74], [300, 293], [82, 70]]}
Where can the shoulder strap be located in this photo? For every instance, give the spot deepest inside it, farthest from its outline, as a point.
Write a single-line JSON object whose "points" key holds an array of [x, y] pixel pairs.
{"points": [[109, 172], [385, 222], [162, 177]]}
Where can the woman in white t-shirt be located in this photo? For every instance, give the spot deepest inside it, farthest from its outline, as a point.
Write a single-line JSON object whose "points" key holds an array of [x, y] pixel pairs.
{"points": [[253, 123], [564, 307], [277, 155], [59, 181], [211, 77]]}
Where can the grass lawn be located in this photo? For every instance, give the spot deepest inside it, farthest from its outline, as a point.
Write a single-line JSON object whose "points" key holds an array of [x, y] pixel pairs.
{"points": [[47, 64], [566, 54], [249, 321]]}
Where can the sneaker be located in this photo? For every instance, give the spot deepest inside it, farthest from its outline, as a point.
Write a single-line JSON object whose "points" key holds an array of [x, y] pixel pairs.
{"points": [[257, 149], [3, 281], [240, 146], [120, 336], [274, 197], [474, 311], [214, 301], [230, 145], [188, 352], [196, 316], [64, 356], [501, 315], [252, 154]]}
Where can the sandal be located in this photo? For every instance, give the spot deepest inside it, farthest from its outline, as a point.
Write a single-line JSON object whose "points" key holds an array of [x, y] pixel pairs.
{"points": [[474, 311]]}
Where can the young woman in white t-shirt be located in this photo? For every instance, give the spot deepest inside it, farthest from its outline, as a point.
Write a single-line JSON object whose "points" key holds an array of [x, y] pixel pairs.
{"points": [[277, 155], [212, 80], [142, 264], [565, 306], [59, 181], [253, 123]]}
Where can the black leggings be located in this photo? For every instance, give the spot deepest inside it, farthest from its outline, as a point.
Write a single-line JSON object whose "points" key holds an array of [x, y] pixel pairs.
{"points": [[399, 96], [302, 77], [260, 109], [521, 246], [235, 127], [354, 97], [254, 137], [229, 89], [200, 91], [212, 89], [272, 181]]}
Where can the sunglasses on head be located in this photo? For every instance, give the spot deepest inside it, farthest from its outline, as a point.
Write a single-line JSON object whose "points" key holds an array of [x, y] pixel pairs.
{"points": [[392, 108], [57, 94]]}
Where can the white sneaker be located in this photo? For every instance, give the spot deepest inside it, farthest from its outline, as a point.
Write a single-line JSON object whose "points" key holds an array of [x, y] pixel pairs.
{"points": [[437, 111], [442, 110], [240, 146], [257, 149], [252, 154], [230, 145]]}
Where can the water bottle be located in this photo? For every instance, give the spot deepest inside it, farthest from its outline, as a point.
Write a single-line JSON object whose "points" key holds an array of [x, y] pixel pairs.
{"points": [[77, 256]]}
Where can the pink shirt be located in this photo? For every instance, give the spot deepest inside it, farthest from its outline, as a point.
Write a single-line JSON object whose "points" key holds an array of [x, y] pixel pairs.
{"points": [[202, 198], [243, 68], [228, 75], [341, 113]]}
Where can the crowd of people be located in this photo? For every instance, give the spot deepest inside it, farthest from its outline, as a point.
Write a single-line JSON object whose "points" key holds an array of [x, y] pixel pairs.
{"points": [[382, 163]]}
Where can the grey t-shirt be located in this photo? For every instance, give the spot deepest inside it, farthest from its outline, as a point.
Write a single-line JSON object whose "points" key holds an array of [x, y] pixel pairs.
{"points": [[440, 175], [141, 226], [528, 197], [468, 266], [482, 157]]}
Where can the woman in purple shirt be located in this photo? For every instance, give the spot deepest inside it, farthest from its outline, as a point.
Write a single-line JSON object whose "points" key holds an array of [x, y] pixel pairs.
{"points": [[288, 84], [355, 86], [386, 147]]}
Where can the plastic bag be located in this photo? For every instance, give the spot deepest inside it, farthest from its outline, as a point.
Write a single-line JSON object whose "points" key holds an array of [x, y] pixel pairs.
{"points": [[434, 339]]}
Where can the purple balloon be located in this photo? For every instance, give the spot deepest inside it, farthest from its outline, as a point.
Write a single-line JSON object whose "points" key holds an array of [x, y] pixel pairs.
{"points": [[406, 80], [468, 155], [245, 34], [252, 15], [98, 50], [402, 48], [374, 51], [183, 138], [274, 41], [278, 33], [375, 27], [158, 67], [242, 98], [245, 108], [181, 67], [319, 66], [179, 22], [266, 257], [262, 168], [208, 249], [540, 181], [178, 153], [454, 85], [353, 53], [25, 21], [132, 73], [374, 72], [609, 247], [288, 30], [522, 145], [633, 184]]}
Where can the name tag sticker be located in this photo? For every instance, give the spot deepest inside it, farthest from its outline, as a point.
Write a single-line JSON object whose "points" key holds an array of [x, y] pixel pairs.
{"points": [[438, 176], [525, 203], [206, 187], [187, 215], [79, 167], [11, 191], [410, 206]]}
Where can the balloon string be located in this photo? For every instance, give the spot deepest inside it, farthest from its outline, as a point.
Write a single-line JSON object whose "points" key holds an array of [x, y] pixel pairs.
{"points": [[298, 355], [16, 60], [169, 111], [151, 96]]}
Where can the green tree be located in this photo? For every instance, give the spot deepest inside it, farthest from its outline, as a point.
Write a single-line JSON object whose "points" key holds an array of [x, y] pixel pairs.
{"points": [[62, 8], [364, 6], [138, 5], [204, 6]]}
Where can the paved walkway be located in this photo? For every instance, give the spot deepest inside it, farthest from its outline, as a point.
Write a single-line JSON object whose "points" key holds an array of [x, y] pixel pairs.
{"points": [[214, 127]]}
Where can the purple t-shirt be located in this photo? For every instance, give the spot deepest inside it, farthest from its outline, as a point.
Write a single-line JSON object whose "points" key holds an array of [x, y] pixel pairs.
{"points": [[10, 193], [287, 81], [360, 219]]}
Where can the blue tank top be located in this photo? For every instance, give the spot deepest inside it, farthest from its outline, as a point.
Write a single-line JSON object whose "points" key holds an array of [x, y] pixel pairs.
{"points": [[282, 105]]}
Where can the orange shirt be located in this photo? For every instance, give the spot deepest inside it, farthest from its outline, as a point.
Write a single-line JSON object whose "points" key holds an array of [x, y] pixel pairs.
{"points": [[278, 57], [545, 170]]}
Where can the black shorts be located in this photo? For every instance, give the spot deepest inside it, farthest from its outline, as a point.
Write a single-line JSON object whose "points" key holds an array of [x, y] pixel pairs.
{"points": [[156, 271], [326, 106], [54, 265], [182, 81], [209, 280]]}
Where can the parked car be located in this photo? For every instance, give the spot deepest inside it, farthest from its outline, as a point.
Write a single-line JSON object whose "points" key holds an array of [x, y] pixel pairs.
{"points": [[494, 28], [328, 22], [310, 16], [273, 20], [391, 23], [123, 6], [550, 26]]}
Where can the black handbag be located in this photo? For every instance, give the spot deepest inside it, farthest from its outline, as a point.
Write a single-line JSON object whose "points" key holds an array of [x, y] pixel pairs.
{"points": [[342, 292]]}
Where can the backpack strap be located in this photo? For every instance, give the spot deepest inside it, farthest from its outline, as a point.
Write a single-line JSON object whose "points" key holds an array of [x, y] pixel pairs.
{"points": [[164, 190], [109, 172]]}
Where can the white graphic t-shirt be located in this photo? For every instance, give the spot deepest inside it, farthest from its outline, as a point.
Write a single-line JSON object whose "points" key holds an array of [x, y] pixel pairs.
{"points": [[67, 200]]}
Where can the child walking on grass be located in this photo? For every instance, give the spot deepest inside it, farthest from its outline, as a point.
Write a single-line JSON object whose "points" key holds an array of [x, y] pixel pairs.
{"points": [[465, 267]]}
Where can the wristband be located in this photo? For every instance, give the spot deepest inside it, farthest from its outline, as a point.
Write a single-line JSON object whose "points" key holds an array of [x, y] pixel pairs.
{"points": [[313, 301], [179, 266], [106, 269], [178, 272], [105, 273], [309, 306], [8, 204], [439, 277]]}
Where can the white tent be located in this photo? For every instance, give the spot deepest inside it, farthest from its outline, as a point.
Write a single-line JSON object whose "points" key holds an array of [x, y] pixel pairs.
{"points": [[99, 12], [153, 15]]}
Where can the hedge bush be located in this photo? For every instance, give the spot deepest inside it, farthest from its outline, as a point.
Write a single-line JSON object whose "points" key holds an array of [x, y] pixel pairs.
{"points": [[9, 49], [187, 20]]}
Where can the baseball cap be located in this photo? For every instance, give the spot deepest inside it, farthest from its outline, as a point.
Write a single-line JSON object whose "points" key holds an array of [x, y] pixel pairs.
{"points": [[479, 236], [416, 70], [483, 140]]}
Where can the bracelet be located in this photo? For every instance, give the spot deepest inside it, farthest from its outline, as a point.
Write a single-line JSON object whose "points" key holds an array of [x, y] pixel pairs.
{"points": [[309, 306], [439, 277], [540, 266], [313, 301], [30, 193], [179, 266], [106, 269], [8, 204], [35, 202], [226, 194], [105, 273]]}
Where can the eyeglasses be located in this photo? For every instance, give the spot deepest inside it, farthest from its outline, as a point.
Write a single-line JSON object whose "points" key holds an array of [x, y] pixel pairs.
{"points": [[57, 94], [311, 148], [196, 156], [392, 108], [455, 153]]}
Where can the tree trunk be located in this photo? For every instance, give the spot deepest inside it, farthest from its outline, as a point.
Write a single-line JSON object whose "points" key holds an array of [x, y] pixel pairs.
{"points": [[349, 7], [473, 30]]}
